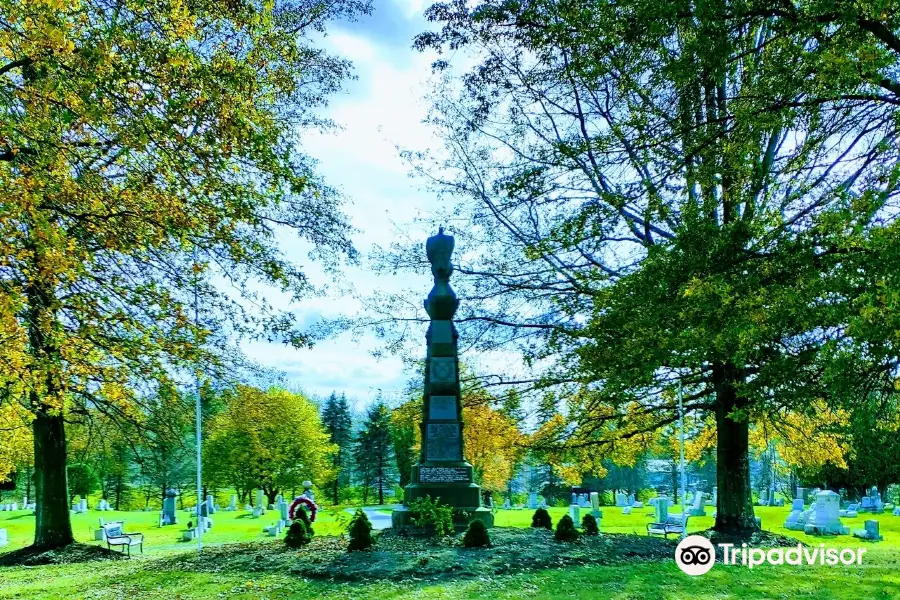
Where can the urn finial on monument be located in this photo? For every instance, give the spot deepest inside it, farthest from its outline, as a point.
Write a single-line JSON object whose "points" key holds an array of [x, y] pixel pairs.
{"points": [[442, 471], [441, 303]]}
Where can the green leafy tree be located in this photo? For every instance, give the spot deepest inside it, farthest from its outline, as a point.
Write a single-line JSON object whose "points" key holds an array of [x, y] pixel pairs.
{"points": [[677, 210], [83, 480], [272, 440], [337, 421], [374, 452], [148, 147]]}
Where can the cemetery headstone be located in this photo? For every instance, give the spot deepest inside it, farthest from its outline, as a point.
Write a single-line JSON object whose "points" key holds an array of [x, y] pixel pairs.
{"points": [[850, 512], [169, 511], [621, 499], [260, 502], [825, 519], [696, 509], [763, 497], [4, 538], [870, 532], [801, 494], [532, 500], [232, 504], [595, 505], [574, 499], [660, 509], [896, 512], [626, 510], [442, 471], [575, 513], [506, 504]]}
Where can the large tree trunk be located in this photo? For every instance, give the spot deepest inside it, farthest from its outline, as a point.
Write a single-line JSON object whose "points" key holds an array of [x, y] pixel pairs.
{"points": [[735, 500], [53, 526]]}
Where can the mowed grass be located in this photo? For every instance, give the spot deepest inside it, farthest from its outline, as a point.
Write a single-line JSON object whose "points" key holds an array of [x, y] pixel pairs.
{"points": [[166, 571], [228, 527]]}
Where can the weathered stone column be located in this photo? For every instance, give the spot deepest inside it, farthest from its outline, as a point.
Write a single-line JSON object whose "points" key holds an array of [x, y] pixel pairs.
{"points": [[442, 471]]}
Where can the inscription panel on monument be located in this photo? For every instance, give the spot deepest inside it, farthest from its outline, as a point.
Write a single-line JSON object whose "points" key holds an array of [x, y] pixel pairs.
{"points": [[442, 407], [443, 370], [443, 475], [443, 441]]}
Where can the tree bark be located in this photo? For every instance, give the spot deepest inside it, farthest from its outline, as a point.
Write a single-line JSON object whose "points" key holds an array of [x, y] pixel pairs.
{"points": [[735, 501], [53, 525]]}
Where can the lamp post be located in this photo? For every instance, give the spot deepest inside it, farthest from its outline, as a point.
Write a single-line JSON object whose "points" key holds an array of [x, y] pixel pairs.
{"points": [[681, 451], [199, 418]]}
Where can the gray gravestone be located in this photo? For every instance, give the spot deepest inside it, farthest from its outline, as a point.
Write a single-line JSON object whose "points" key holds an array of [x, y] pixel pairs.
{"points": [[169, 511]]}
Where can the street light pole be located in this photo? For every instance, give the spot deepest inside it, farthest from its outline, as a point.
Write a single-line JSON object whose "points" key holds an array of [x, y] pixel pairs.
{"points": [[199, 418], [681, 451]]}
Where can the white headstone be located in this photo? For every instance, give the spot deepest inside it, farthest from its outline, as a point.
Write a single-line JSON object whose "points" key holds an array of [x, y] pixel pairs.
{"points": [[260, 502], [532, 500], [825, 519], [595, 505], [660, 509], [621, 499], [696, 509], [763, 497], [4, 538], [575, 513], [797, 504]]}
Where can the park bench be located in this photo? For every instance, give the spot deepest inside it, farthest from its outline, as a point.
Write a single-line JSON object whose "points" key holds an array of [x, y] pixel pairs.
{"points": [[671, 526], [116, 537]]}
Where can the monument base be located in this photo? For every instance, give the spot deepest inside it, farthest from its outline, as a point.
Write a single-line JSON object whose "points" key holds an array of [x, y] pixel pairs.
{"points": [[402, 517], [452, 484]]}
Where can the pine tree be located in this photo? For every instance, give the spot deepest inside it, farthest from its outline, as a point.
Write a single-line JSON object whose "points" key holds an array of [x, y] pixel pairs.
{"points": [[337, 421], [374, 452]]}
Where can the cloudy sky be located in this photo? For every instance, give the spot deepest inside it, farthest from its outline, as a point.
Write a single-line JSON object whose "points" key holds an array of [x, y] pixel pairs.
{"points": [[379, 111]]}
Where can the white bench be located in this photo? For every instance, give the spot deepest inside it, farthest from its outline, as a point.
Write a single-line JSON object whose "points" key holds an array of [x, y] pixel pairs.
{"points": [[116, 537], [671, 526]]}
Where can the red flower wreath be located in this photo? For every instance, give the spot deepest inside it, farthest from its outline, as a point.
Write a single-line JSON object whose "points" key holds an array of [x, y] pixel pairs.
{"points": [[309, 504]]}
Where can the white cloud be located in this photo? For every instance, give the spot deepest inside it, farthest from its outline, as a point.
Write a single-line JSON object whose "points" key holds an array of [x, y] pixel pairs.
{"points": [[353, 47]]}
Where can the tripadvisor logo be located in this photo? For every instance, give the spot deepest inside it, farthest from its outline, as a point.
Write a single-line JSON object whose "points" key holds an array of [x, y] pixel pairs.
{"points": [[695, 555]]}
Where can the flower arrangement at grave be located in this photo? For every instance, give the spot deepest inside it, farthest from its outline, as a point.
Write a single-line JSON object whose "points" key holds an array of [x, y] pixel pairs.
{"points": [[305, 502]]}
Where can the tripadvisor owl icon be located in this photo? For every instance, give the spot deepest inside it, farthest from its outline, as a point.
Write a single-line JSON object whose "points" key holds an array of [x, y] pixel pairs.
{"points": [[695, 555]]}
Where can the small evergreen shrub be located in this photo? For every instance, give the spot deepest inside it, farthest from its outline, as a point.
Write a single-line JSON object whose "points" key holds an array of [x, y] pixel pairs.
{"points": [[476, 535], [300, 533], [542, 519], [428, 513], [360, 532], [565, 530], [589, 525]]}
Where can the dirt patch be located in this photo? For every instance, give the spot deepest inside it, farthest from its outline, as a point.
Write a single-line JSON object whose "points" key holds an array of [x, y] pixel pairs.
{"points": [[73, 553], [757, 539], [399, 557]]}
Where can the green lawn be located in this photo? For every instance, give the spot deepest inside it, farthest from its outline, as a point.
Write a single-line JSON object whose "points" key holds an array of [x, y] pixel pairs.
{"points": [[238, 526], [166, 572]]}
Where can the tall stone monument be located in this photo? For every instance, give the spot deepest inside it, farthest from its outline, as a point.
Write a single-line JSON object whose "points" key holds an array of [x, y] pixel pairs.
{"points": [[442, 472]]}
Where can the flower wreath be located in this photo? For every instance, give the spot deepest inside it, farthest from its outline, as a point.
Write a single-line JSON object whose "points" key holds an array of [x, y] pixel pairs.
{"points": [[309, 504]]}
